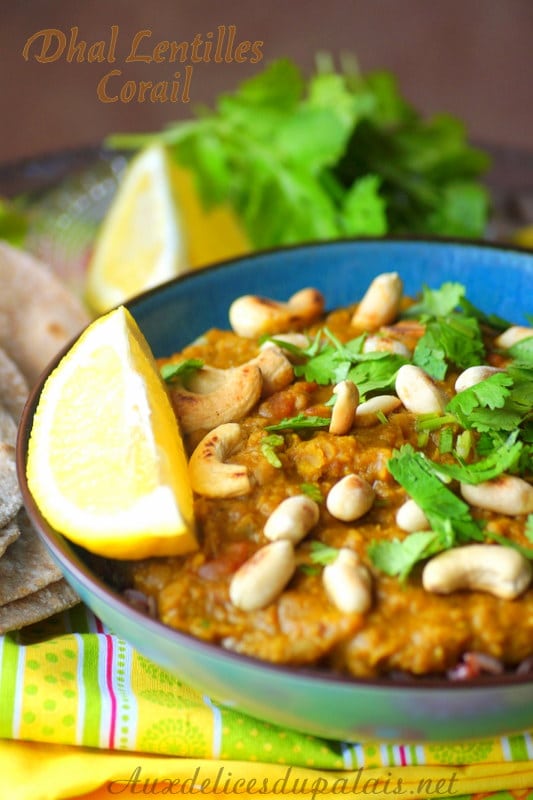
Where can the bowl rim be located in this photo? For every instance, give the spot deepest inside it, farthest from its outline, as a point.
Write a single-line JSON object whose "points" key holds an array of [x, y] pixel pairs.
{"points": [[65, 552]]}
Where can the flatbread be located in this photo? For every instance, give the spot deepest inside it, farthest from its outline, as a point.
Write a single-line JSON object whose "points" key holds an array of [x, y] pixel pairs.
{"points": [[8, 428], [10, 496], [38, 315], [35, 607], [8, 535], [26, 566], [13, 386]]}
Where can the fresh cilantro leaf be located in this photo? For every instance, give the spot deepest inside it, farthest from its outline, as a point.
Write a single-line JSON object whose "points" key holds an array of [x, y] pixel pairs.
{"points": [[301, 421], [182, 370], [268, 449], [363, 211], [328, 366], [399, 557], [312, 491], [339, 153], [522, 352], [447, 513], [529, 528], [437, 302], [321, 553], [500, 460], [452, 339], [430, 355], [335, 361], [490, 393], [376, 372], [501, 402], [492, 320]]}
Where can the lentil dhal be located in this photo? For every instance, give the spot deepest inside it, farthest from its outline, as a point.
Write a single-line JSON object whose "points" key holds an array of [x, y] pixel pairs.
{"points": [[399, 626]]}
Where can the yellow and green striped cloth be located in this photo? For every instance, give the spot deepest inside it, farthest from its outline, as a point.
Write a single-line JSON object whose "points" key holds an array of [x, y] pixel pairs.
{"points": [[82, 712]]}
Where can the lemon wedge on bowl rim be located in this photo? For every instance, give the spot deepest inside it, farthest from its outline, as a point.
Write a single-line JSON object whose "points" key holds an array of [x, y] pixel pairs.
{"points": [[106, 463], [157, 228]]}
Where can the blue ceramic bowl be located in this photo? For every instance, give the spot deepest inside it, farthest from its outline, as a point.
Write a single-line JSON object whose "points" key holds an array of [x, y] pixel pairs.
{"points": [[497, 280]]}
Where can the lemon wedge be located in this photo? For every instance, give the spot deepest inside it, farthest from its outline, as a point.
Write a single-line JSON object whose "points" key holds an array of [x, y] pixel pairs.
{"points": [[106, 463], [141, 242], [156, 229]]}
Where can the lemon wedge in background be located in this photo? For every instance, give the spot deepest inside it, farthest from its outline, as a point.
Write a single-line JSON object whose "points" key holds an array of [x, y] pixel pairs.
{"points": [[523, 237], [155, 230], [106, 463]]}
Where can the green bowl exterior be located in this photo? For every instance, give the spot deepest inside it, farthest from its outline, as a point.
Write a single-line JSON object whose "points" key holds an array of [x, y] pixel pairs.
{"points": [[497, 280]]}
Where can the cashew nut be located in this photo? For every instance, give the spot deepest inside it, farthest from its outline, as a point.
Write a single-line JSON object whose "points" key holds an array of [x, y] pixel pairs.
{"points": [[512, 336], [496, 569], [380, 304], [343, 413], [251, 316], [506, 494], [263, 577], [385, 344], [417, 391], [350, 498], [276, 370], [216, 396], [292, 519], [208, 473], [347, 583], [473, 375], [410, 517], [384, 403]]}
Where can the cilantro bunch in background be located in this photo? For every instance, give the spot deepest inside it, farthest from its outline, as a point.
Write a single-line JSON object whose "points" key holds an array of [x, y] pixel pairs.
{"points": [[338, 154]]}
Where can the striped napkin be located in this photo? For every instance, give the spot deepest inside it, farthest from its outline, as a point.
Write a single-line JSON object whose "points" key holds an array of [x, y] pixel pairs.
{"points": [[81, 711]]}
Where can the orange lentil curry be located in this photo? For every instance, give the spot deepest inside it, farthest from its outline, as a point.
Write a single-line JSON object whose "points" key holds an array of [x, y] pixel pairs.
{"points": [[417, 593]]}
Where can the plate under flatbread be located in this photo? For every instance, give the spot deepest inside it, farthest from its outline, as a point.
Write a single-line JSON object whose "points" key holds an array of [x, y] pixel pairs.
{"points": [[52, 599], [38, 315]]}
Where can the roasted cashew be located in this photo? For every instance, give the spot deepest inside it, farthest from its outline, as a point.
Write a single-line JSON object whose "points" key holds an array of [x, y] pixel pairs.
{"points": [[276, 370], [411, 518], [474, 375], [292, 519], [350, 498], [417, 391], [385, 403], [343, 413], [380, 304], [208, 473], [252, 316], [216, 396], [263, 577], [506, 494], [347, 583], [385, 344], [496, 569], [512, 336]]}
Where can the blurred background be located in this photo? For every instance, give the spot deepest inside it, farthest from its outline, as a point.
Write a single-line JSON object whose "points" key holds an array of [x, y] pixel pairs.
{"points": [[472, 59]]}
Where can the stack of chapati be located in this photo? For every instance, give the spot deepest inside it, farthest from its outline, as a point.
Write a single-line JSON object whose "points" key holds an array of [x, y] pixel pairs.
{"points": [[37, 317]]}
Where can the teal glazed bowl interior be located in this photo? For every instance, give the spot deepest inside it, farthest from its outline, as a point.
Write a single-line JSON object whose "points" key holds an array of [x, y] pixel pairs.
{"points": [[497, 280]]}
